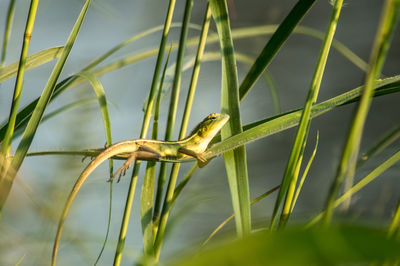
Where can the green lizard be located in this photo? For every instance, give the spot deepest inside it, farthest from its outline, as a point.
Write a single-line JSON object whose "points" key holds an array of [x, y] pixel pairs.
{"points": [[192, 146]]}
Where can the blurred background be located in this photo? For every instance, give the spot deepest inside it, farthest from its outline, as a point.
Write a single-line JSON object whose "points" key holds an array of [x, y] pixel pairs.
{"points": [[28, 223]]}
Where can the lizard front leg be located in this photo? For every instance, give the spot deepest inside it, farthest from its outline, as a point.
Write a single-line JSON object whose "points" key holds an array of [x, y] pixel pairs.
{"points": [[199, 156]]}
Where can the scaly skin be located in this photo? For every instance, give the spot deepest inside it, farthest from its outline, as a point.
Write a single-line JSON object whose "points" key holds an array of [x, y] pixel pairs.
{"points": [[143, 149]]}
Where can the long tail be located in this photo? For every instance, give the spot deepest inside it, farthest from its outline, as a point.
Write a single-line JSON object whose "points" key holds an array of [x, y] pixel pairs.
{"points": [[118, 148]]}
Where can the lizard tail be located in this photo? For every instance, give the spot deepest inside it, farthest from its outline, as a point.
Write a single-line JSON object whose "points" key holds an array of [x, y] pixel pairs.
{"points": [[113, 150]]}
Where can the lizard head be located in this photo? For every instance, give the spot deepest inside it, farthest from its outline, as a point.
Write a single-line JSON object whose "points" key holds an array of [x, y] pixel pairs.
{"points": [[210, 126]]}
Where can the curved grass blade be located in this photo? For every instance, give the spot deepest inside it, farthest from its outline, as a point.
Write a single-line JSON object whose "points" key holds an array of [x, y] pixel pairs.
{"points": [[68, 107], [131, 40], [49, 54], [101, 98], [235, 161], [99, 90], [246, 32], [219, 227], [347, 165], [213, 56], [25, 114], [32, 61]]}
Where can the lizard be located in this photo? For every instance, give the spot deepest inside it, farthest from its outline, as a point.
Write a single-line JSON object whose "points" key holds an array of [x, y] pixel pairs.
{"points": [[193, 146]]}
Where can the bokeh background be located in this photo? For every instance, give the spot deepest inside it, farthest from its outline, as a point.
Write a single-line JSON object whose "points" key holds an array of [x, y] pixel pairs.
{"points": [[29, 219]]}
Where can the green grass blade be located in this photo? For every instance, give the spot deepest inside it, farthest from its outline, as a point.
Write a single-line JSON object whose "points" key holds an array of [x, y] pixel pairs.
{"points": [[178, 71], [146, 208], [273, 91], [303, 177], [274, 44], [161, 177], [7, 33], [143, 133], [347, 165], [362, 183], [235, 161], [6, 145], [32, 61], [387, 139], [147, 195], [279, 123], [39, 109], [290, 177], [297, 166], [394, 227]]}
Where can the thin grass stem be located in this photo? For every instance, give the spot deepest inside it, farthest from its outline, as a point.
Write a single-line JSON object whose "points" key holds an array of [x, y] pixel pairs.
{"points": [[6, 145], [7, 32]]}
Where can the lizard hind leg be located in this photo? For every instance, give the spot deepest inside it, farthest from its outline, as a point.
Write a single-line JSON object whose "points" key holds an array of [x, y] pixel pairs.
{"points": [[121, 171], [137, 155]]}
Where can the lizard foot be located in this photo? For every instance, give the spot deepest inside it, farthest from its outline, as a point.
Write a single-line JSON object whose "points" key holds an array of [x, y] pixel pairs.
{"points": [[121, 172], [87, 156]]}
